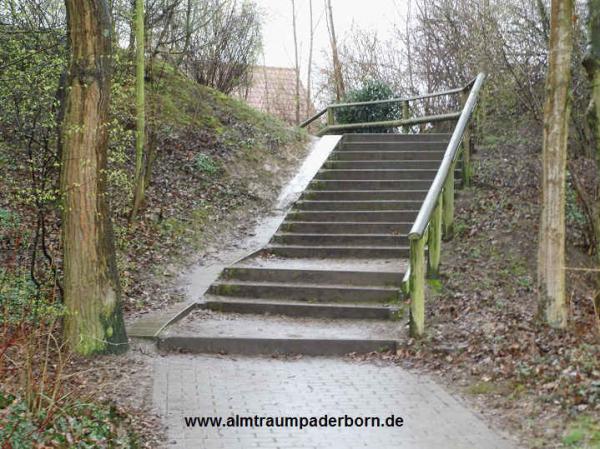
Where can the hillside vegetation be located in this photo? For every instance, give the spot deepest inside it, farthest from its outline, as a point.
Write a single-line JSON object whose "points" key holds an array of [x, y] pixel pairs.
{"points": [[211, 153], [215, 154], [212, 156]]}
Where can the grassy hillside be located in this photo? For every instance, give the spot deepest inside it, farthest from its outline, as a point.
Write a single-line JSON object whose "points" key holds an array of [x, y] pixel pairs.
{"points": [[215, 154]]}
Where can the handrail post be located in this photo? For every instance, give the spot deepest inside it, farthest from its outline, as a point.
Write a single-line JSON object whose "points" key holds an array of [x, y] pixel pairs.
{"points": [[417, 287], [405, 116], [330, 116], [466, 149], [434, 241], [448, 205]]}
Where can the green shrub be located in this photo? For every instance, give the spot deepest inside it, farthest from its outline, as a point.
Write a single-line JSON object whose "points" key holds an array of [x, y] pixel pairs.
{"points": [[79, 425], [369, 91], [21, 303], [9, 221], [206, 164]]}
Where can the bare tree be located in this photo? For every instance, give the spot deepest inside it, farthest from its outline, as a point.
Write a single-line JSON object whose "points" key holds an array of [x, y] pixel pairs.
{"points": [[310, 56], [340, 90], [139, 181], [224, 48], [409, 48], [557, 109], [296, 64], [92, 294], [591, 62]]}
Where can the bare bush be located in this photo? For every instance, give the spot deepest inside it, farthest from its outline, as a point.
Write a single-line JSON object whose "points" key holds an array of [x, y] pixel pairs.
{"points": [[445, 43], [223, 44]]}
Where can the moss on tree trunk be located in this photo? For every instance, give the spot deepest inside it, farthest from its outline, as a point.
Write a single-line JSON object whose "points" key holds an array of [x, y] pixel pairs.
{"points": [[94, 321]]}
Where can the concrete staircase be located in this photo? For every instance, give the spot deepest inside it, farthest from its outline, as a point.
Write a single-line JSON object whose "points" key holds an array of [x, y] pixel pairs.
{"points": [[329, 280]]}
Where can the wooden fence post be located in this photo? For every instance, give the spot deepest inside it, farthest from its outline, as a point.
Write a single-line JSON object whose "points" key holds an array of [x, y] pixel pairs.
{"points": [[466, 150], [405, 116], [434, 241], [417, 287], [330, 117], [448, 205]]}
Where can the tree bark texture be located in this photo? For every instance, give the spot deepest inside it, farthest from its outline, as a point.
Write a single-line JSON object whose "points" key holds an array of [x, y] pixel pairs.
{"points": [[296, 65], [551, 254], [140, 105], [310, 56], [340, 90], [94, 321]]}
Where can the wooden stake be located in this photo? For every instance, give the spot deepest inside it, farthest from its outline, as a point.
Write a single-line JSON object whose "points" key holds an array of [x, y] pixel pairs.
{"points": [[434, 244], [448, 205], [417, 287]]}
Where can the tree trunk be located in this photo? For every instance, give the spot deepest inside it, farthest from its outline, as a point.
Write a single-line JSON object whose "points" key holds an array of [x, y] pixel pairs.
{"points": [[591, 62], [139, 182], [151, 155], [131, 45], [340, 90], [310, 56], [92, 295], [544, 18], [408, 48], [551, 254], [188, 33], [296, 64]]}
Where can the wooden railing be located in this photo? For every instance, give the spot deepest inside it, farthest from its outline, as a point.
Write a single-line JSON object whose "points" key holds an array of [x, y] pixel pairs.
{"points": [[332, 127], [436, 215]]}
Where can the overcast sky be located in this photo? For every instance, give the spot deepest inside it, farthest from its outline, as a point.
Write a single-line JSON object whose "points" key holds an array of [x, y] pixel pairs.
{"points": [[278, 41]]}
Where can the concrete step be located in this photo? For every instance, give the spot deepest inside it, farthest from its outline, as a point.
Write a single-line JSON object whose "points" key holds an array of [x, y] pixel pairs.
{"points": [[271, 346], [305, 292], [311, 227], [377, 174], [340, 239], [308, 276], [378, 165], [300, 309], [386, 155], [335, 252], [206, 331], [364, 195], [387, 137], [353, 184], [358, 205], [395, 146], [356, 216]]}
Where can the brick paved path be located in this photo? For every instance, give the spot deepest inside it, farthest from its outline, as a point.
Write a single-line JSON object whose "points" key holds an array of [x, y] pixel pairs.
{"points": [[223, 386]]}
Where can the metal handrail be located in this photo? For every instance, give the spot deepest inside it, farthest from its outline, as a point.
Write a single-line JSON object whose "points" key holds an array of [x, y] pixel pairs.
{"points": [[391, 100], [429, 204]]}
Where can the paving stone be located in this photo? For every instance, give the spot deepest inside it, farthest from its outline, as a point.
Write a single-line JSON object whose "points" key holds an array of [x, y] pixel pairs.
{"points": [[223, 386]]}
